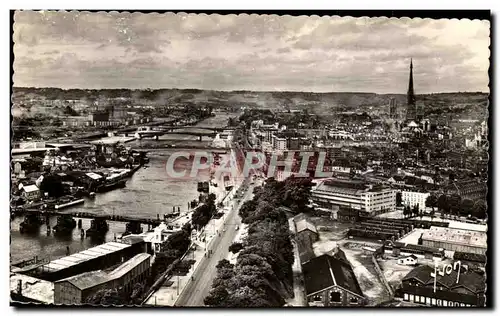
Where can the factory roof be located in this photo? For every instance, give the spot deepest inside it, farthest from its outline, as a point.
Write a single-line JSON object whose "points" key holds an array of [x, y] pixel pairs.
{"points": [[456, 236], [85, 255], [33, 288], [87, 279], [326, 271], [471, 280], [340, 188], [91, 279], [128, 265]]}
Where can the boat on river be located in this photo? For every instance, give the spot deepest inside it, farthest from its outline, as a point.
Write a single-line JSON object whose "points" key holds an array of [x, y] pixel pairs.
{"points": [[64, 203], [111, 185], [132, 228], [31, 223], [98, 228], [65, 225]]}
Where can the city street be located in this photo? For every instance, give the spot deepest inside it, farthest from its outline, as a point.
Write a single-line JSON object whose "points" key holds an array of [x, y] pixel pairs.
{"points": [[195, 292]]}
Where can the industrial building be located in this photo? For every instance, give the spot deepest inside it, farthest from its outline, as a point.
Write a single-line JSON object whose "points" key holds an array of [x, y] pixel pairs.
{"points": [[330, 281], [356, 195], [470, 189], [79, 288], [305, 235], [455, 239], [448, 290], [99, 257], [26, 289]]}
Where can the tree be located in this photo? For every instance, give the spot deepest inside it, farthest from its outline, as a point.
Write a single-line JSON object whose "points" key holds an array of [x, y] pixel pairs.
{"points": [[480, 209], [52, 185], [415, 210], [235, 247], [454, 204], [431, 201], [407, 211], [107, 297], [467, 207], [137, 291], [432, 214], [399, 199], [442, 204], [249, 297], [69, 111], [218, 297]]}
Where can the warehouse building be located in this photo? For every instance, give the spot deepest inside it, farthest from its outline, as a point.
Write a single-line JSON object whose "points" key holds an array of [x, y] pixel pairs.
{"points": [[100, 257], [330, 281], [79, 288], [305, 234], [418, 286], [455, 239]]}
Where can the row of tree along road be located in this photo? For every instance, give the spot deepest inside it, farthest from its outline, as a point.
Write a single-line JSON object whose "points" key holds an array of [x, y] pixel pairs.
{"points": [[262, 275]]}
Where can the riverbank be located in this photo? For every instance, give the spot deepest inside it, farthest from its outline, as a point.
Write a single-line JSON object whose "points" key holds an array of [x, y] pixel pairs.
{"points": [[148, 192]]}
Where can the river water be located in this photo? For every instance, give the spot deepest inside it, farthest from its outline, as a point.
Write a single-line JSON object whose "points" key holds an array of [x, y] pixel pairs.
{"points": [[150, 191]]}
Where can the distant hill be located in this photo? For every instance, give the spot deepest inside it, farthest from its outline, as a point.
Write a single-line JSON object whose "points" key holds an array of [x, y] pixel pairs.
{"points": [[460, 104]]}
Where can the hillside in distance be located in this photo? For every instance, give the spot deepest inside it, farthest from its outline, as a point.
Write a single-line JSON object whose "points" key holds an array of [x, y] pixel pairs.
{"points": [[461, 104]]}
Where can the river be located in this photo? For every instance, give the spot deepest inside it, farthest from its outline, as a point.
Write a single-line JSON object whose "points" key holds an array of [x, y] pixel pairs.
{"points": [[150, 191]]}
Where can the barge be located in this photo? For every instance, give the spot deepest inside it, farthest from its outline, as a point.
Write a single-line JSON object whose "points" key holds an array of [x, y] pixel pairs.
{"points": [[98, 228], [31, 223], [68, 204], [65, 225]]}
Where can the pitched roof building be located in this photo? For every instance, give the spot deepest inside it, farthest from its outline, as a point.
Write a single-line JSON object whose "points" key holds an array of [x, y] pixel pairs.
{"points": [[418, 287], [330, 281]]}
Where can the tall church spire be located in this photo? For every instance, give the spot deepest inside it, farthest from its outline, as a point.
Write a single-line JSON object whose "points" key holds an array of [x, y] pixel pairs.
{"points": [[411, 105]]}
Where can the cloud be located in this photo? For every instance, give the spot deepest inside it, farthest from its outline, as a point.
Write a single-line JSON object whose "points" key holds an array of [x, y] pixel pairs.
{"points": [[254, 52]]}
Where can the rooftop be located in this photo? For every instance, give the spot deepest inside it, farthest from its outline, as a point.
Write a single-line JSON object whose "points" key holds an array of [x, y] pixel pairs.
{"points": [[94, 176], [471, 280], [90, 279], [326, 271], [33, 288], [341, 187], [86, 255], [456, 236], [304, 224], [30, 188]]}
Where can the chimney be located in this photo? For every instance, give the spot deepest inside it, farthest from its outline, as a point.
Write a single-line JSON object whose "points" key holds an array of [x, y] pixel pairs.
{"points": [[20, 287]]}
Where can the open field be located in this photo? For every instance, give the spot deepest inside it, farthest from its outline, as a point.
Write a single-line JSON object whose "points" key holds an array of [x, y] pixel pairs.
{"points": [[365, 272]]}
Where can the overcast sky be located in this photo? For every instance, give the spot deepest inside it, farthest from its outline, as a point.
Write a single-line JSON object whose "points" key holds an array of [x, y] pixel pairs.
{"points": [[248, 52]]}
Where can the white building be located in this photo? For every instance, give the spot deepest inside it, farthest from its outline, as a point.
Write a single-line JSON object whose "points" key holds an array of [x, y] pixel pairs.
{"points": [[408, 261], [354, 194], [455, 239], [218, 142], [160, 235], [412, 198], [279, 143], [341, 169], [30, 192]]}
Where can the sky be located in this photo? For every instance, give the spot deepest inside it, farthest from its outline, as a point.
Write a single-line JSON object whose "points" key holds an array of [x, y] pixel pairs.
{"points": [[101, 50]]}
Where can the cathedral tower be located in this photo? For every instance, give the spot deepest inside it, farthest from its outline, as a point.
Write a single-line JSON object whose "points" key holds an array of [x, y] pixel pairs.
{"points": [[411, 111]]}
